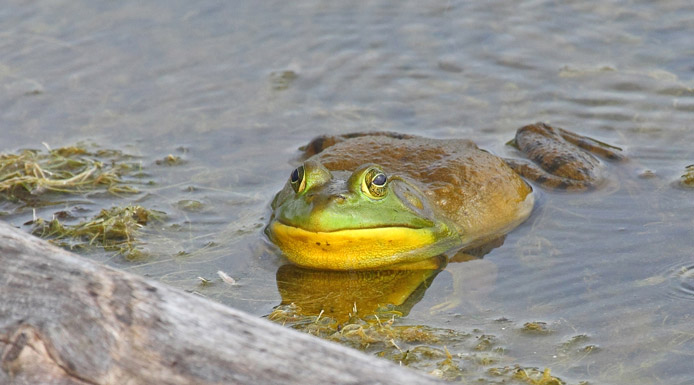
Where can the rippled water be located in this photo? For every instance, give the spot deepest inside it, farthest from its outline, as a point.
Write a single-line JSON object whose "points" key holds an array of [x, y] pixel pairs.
{"points": [[234, 88]]}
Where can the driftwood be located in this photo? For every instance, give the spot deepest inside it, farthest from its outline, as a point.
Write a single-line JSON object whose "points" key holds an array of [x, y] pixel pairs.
{"points": [[67, 320]]}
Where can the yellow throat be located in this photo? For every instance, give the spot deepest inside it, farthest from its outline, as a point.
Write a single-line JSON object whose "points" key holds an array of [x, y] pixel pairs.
{"points": [[354, 249]]}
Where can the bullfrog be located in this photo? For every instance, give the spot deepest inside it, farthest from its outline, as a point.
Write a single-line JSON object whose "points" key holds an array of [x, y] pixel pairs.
{"points": [[388, 200]]}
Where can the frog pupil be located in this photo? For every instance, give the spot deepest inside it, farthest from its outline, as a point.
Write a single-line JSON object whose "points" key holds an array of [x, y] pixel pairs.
{"points": [[295, 175], [379, 180], [374, 183]]}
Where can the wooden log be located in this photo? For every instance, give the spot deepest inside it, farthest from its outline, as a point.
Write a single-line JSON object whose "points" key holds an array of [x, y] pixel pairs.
{"points": [[67, 320]]}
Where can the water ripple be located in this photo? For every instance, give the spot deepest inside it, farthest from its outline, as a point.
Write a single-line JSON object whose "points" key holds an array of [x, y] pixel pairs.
{"points": [[681, 281]]}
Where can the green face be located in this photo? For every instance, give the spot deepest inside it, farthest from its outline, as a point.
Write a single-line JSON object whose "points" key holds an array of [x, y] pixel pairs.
{"points": [[316, 199], [360, 220]]}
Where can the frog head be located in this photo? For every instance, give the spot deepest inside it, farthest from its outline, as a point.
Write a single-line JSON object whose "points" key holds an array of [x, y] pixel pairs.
{"points": [[365, 219]]}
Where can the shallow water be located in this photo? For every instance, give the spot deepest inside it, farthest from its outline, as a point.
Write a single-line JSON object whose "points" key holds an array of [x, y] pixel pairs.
{"points": [[235, 88]]}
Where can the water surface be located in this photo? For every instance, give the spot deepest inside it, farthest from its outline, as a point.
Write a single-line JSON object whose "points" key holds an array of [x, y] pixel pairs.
{"points": [[234, 88]]}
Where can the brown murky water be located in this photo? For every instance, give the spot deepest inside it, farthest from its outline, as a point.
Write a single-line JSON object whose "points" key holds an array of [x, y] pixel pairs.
{"points": [[234, 88]]}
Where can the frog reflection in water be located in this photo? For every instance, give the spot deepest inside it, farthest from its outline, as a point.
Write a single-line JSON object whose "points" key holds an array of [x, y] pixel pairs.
{"points": [[385, 200], [339, 295]]}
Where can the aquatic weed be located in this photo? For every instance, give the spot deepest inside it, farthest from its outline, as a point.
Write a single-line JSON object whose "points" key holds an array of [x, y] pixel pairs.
{"points": [[419, 347], [536, 328], [687, 179], [115, 229], [28, 174]]}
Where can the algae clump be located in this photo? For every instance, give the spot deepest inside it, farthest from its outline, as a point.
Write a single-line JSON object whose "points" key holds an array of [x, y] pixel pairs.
{"points": [[114, 229], [26, 175], [445, 353], [687, 179]]}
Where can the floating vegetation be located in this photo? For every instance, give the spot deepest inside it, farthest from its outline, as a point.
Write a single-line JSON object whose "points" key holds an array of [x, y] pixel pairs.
{"points": [[376, 333], [170, 160], [687, 179], [30, 173], [372, 332], [536, 328], [281, 80], [190, 205], [534, 376], [116, 229], [445, 353], [485, 342]]}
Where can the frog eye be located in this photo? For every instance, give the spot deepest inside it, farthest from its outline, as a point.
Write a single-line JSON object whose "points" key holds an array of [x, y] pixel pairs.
{"points": [[375, 182], [297, 180]]}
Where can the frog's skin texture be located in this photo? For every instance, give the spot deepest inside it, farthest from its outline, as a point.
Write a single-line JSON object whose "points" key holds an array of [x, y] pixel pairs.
{"points": [[385, 200]]}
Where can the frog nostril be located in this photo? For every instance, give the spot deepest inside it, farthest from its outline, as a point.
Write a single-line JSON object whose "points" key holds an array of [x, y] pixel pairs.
{"points": [[339, 198]]}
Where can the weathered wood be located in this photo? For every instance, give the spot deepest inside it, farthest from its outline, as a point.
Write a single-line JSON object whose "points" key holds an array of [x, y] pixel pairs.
{"points": [[67, 320]]}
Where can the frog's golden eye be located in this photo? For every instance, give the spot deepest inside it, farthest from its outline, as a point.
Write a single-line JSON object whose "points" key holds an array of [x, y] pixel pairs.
{"points": [[375, 183], [297, 179]]}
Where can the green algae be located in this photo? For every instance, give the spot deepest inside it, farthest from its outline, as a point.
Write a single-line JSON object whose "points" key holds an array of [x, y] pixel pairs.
{"points": [[170, 160], [116, 229], [536, 328], [29, 174], [687, 178], [474, 357]]}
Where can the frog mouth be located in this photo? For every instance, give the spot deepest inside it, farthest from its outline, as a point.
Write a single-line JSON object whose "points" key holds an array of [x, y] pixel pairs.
{"points": [[367, 248]]}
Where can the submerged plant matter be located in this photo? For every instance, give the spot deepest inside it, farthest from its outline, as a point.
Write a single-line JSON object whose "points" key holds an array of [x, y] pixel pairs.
{"points": [[449, 354], [687, 179], [26, 175], [115, 229]]}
